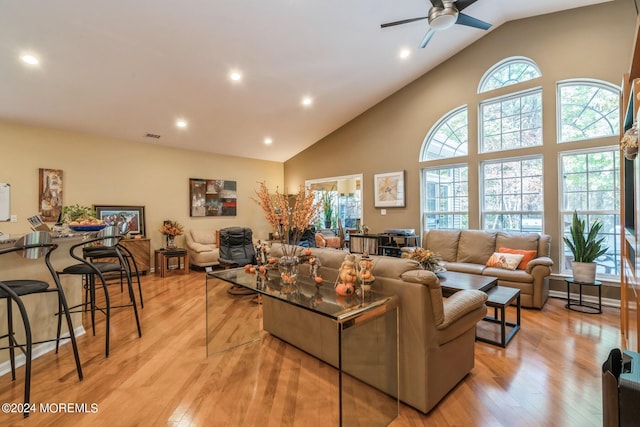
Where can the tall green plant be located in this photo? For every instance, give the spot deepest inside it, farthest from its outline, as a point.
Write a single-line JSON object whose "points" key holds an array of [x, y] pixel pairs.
{"points": [[585, 245], [327, 206]]}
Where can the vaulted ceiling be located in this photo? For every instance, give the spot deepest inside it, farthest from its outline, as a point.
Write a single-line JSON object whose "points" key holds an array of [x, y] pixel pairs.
{"points": [[126, 69]]}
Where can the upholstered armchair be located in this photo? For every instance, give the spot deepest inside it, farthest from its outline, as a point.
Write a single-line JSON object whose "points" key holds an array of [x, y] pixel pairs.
{"points": [[203, 247]]}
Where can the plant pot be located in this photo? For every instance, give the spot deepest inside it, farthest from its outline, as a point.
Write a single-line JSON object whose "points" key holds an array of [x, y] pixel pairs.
{"points": [[327, 224], [584, 272]]}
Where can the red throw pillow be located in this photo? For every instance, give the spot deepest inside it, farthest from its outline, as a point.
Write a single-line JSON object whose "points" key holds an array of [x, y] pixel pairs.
{"points": [[527, 255]]}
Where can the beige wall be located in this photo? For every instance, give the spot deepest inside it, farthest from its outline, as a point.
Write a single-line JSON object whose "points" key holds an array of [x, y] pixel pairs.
{"points": [[592, 42], [107, 171]]}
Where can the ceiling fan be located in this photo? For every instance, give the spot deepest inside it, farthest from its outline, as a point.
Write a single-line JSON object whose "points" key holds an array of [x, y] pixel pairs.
{"points": [[444, 14]]}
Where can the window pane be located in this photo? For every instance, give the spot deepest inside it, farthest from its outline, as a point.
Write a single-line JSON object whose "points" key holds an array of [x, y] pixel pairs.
{"points": [[591, 187], [509, 72], [511, 122], [448, 138], [512, 195], [447, 205], [587, 110]]}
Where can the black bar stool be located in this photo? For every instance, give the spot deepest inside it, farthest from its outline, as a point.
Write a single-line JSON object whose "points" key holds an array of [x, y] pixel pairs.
{"points": [[107, 239], [33, 246]]}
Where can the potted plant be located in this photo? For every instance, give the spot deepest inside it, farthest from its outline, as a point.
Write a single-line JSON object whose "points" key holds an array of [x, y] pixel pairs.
{"points": [[586, 247], [327, 209]]}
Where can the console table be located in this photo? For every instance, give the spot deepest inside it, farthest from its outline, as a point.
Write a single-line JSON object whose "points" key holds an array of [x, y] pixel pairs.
{"points": [[367, 337], [381, 244]]}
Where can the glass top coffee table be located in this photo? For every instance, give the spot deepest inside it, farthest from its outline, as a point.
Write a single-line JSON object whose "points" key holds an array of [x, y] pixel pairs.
{"points": [[357, 320]]}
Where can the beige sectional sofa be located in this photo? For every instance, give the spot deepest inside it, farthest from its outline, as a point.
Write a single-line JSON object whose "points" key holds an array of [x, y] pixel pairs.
{"points": [[467, 251], [437, 336], [202, 246]]}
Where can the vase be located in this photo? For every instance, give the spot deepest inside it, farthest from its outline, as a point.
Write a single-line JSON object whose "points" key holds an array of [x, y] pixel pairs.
{"points": [[630, 153], [288, 267], [584, 272], [171, 242]]}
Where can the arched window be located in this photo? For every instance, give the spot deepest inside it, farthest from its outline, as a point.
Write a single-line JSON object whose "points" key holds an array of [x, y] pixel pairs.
{"points": [[449, 137], [587, 109], [509, 72]]}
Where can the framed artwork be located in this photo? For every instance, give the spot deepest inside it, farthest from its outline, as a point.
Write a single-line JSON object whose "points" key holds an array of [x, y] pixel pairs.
{"points": [[50, 194], [212, 197], [128, 218], [389, 190]]}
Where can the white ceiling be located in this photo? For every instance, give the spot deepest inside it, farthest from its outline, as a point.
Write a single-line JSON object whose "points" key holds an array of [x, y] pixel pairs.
{"points": [[122, 68]]}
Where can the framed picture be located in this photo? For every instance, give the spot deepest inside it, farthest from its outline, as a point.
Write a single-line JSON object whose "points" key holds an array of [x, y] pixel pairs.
{"points": [[129, 218], [212, 197], [50, 194], [389, 190]]}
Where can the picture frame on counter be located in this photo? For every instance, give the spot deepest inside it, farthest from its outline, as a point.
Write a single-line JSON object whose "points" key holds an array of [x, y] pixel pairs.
{"points": [[130, 219]]}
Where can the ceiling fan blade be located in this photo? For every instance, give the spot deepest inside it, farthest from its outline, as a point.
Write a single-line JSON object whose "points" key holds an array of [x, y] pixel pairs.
{"points": [[404, 21], [463, 4], [470, 21], [427, 37]]}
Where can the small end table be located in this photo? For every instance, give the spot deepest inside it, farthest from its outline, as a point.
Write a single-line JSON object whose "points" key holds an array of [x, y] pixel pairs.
{"points": [[162, 257], [579, 305]]}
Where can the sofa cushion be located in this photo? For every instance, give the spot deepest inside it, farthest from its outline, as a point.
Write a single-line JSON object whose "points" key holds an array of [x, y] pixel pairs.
{"points": [[505, 261], [465, 267], [526, 255], [199, 247], [526, 241], [206, 237], [519, 276], [476, 246], [444, 242]]}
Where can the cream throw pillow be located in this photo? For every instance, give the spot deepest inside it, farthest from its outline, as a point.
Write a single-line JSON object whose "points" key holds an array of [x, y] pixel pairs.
{"points": [[504, 261]]}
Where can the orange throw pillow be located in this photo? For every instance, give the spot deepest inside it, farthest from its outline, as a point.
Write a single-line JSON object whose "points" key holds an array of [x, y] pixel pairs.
{"points": [[527, 255]]}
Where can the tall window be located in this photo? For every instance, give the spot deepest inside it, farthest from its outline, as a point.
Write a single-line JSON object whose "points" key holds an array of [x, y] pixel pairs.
{"points": [[591, 186], [448, 137], [512, 195], [446, 197], [509, 72], [511, 122], [588, 109]]}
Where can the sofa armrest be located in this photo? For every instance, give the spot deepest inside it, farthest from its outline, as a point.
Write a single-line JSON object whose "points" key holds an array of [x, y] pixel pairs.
{"points": [[544, 261], [460, 304], [199, 247]]}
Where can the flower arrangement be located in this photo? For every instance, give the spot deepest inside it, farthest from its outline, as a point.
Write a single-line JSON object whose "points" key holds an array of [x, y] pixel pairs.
{"points": [[172, 228], [428, 259], [289, 222]]}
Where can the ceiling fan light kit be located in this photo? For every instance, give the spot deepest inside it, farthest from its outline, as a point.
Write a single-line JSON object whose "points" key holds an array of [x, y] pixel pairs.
{"points": [[444, 14], [441, 18]]}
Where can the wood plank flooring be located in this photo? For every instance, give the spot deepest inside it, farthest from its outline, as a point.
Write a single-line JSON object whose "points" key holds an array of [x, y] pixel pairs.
{"points": [[549, 375]]}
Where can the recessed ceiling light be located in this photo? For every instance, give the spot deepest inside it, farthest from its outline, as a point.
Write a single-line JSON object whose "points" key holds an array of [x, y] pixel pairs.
{"points": [[181, 123], [30, 59], [307, 101], [268, 141], [236, 76], [405, 53]]}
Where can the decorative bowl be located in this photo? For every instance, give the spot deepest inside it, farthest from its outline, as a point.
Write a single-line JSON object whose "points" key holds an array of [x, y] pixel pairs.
{"points": [[93, 227]]}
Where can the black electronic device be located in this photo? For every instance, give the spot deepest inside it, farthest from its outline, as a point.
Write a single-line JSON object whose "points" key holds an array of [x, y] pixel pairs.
{"points": [[621, 389]]}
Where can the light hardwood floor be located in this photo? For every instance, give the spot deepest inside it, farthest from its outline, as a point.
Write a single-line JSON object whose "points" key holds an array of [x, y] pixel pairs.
{"points": [[549, 375]]}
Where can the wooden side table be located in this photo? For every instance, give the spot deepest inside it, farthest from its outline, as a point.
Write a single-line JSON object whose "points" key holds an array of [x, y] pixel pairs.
{"points": [[162, 257], [579, 305], [499, 297]]}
